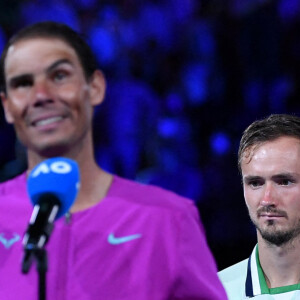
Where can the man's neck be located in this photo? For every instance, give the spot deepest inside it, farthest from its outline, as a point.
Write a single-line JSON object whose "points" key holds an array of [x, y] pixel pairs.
{"points": [[94, 182], [280, 264]]}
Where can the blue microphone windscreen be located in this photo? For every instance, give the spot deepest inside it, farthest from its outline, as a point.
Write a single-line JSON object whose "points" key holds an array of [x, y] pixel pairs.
{"points": [[58, 176]]}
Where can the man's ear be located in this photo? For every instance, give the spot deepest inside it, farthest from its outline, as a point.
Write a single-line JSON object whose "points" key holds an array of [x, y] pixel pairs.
{"points": [[9, 118], [97, 86]]}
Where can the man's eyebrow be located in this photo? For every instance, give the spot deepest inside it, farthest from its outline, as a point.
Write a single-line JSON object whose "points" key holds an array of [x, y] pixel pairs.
{"points": [[279, 176], [284, 175], [57, 63], [251, 178], [16, 79], [13, 80]]}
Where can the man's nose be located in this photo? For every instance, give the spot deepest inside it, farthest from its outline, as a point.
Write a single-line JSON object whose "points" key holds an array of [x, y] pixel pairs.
{"points": [[42, 92], [269, 195]]}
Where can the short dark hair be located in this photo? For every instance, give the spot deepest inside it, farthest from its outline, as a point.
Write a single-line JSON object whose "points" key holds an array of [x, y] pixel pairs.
{"points": [[49, 29], [268, 129]]}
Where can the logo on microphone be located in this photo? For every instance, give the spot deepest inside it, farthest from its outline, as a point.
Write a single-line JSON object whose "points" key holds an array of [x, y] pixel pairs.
{"points": [[58, 167], [57, 176]]}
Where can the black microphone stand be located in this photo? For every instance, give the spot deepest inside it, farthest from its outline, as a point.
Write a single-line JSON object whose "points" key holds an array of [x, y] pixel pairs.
{"points": [[40, 255], [36, 237]]}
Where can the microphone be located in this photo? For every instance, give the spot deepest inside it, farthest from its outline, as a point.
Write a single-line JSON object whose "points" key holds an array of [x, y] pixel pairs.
{"points": [[52, 187]]}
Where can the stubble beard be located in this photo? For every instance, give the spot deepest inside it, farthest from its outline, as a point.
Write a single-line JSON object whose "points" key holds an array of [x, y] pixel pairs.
{"points": [[274, 236]]}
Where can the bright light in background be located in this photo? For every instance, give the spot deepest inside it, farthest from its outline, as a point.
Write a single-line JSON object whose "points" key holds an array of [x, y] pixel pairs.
{"points": [[220, 143], [103, 45], [168, 127], [195, 78]]}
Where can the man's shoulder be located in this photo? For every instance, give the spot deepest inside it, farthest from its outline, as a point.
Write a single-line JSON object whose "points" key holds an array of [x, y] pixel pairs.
{"points": [[234, 271], [13, 186], [233, 278], [13, 192], [148, 195]]}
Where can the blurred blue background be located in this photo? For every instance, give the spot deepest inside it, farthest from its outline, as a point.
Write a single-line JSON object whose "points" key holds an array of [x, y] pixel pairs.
{"points": [[185, 78]]}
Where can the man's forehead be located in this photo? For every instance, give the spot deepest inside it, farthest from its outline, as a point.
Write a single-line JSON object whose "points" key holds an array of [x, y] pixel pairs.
{"points": [[41, 45], [10, 49], [249, 152], [36, 54], [282, 149]]}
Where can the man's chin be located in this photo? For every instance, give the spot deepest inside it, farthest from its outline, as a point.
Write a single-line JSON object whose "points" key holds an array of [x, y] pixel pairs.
{"points": [[52, 150], [277, 237]]}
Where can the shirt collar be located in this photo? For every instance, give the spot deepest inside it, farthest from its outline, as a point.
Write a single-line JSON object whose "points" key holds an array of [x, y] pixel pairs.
{"points": [[255, 280], [252, 286]]}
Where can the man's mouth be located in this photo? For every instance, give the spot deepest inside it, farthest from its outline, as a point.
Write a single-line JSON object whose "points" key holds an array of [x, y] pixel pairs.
{"points": [[272, 215], [269, 212], [47, 121]]}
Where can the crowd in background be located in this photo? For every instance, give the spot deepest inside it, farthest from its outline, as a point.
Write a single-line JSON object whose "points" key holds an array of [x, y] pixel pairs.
{"points": [[184, 79]]}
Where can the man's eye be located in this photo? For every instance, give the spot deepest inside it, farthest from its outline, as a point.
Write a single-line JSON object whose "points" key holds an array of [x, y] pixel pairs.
{"points": [[59, 75], [25, 83], [255, 183], [22, 83], [285, 182]]}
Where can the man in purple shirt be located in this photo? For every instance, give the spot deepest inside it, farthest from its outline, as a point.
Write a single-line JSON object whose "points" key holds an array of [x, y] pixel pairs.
{"points": [[121, 239]]}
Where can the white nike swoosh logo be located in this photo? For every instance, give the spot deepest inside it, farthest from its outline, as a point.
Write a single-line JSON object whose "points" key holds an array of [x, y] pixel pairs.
{"points": [[124, 239]]}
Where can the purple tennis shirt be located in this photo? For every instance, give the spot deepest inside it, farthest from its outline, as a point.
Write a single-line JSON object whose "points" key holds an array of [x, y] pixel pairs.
{"points": [[139, 243]]}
